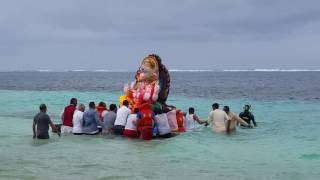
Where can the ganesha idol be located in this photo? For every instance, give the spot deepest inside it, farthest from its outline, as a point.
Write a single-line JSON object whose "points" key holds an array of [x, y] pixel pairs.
{"points": [[151, 84]]}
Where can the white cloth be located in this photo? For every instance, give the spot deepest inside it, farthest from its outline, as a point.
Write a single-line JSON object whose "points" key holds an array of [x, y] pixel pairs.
{"points": [[130, 122], [163, 124], [172, 119], [92, 133], [77, 121], [217, 120], [122, 115], [65, 130], [189, 122]]}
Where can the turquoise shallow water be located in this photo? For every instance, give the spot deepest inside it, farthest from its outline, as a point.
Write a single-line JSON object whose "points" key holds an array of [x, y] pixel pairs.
{"points": [[285, 146]]}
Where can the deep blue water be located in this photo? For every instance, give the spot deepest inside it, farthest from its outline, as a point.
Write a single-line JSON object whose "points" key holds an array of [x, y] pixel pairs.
{"points": [[219, 85]]}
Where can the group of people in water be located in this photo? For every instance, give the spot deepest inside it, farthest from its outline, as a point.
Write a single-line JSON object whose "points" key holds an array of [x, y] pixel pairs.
{"points": [[101, 119]]}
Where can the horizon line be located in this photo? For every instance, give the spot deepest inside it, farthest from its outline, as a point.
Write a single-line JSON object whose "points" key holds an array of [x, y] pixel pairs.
{"points": [[171, 70]]}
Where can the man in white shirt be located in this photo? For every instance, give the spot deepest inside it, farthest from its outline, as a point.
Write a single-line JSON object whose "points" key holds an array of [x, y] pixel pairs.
{"points": [[121, 119], [191, 119], [77, 120], [217, 119], [162, 124]]}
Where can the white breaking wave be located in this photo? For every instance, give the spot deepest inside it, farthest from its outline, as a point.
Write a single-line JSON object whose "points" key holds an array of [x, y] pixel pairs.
{"points": [[101, 70], [273, 70], [78, 70], [43, 70], [237, 70], [174, 70], [190, 70], [285, 70]]}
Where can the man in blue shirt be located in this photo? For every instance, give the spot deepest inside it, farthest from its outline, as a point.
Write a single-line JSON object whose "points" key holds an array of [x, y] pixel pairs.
{"points": [[91, 120]]}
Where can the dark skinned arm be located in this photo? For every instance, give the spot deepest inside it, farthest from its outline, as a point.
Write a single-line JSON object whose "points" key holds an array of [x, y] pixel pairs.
{"points": [[196, 118], [34, 129], [54, 127]]}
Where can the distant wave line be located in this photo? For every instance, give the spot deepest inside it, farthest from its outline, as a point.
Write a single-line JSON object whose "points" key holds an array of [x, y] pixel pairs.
{"points": [[170, 70], [190, 70], [274, 70]]}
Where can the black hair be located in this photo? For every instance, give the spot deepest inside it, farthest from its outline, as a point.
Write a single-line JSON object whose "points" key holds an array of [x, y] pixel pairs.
{"points": [[125, 103], [42, 107], [73, 101], [191, 110], [215, 106], [103, 104], [112, 107], [227, 108], [136, 110], [92, 105], [247, 106]]}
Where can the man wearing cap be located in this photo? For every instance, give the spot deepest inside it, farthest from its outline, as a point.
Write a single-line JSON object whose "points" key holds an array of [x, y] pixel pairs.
{"points": [[41, 124]]}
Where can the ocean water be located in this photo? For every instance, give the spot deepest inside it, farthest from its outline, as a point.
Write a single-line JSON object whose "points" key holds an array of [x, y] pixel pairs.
{"points": [[285, 145]]}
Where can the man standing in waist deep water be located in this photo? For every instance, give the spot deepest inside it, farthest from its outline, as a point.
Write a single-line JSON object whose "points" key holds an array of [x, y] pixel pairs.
{"points": [[91, 120], [217, 119], [41, 124], [78, 120], [67, 116], [233, 121], [102, 110], [121, 119], [191, 119], [109, 119], [247, 115]]}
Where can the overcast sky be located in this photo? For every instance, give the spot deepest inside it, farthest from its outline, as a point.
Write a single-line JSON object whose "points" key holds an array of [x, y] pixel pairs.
{"points": [[187, 34]]}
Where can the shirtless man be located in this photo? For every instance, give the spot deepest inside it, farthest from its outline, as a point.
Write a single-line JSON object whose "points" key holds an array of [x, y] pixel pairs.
{"points": [[234, 120]]}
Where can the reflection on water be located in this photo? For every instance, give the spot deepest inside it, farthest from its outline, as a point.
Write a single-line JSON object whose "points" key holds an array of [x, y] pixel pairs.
{"points": [[42, 142]]}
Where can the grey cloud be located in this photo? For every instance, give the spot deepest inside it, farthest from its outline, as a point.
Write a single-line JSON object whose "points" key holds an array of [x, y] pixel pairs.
{"points": [[78, 30]]}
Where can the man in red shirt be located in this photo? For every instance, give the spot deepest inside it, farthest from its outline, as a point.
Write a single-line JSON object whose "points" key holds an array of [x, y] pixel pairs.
{"points": [[67, 117]]}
